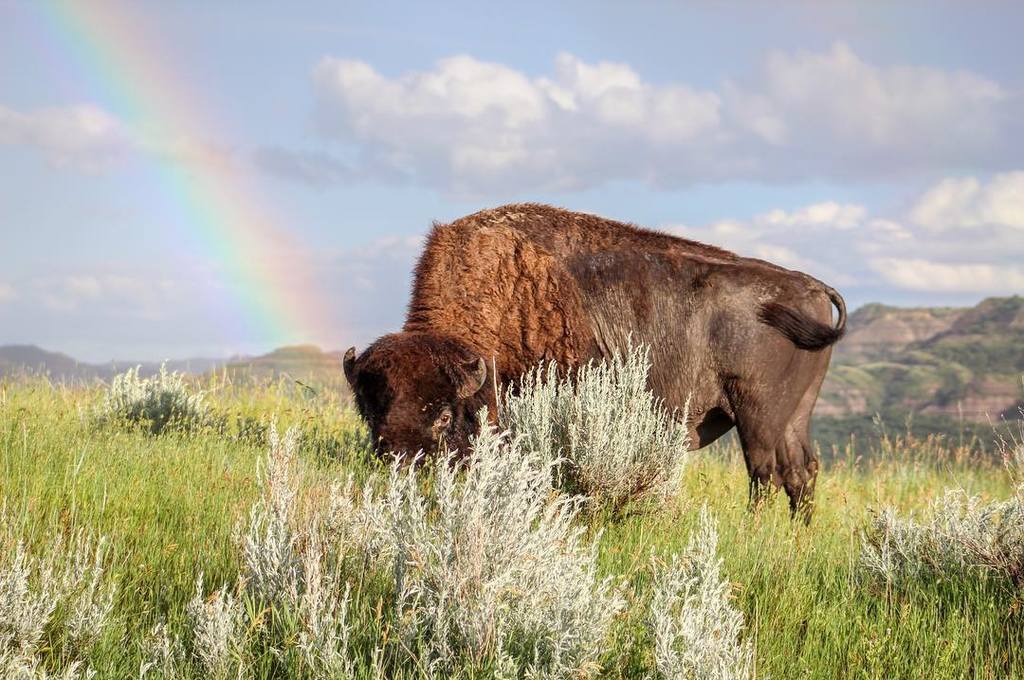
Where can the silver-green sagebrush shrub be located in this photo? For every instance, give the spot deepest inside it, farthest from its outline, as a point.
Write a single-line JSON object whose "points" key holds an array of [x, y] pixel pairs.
{"points": [[612, 438], [158, 402], [491, 570], [959, 535], [485, 567], [698, 633], [217, 624], [58, 596], [163, 654], [290, 601]]}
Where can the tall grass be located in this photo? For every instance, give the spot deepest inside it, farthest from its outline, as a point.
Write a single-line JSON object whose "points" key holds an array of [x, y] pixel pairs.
{"points": [[173, 507]]}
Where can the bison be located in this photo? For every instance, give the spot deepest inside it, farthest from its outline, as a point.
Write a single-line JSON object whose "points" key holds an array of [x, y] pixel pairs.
{"points": [[496, 292]]}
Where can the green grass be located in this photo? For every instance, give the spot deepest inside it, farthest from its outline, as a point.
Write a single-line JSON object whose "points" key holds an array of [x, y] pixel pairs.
{"points": [[168, 506]]}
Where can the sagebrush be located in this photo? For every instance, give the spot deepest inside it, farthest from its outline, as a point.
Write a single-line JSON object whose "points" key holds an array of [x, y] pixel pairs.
{"points": [[491, 569], [53, 605], [486, 569], [157, 402], [612, 438], [290, 601], [961, 536], [698, 632]]}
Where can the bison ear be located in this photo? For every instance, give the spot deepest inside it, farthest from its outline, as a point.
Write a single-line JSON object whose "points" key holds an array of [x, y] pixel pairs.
{"points": [[349, 364], [477, 376]]}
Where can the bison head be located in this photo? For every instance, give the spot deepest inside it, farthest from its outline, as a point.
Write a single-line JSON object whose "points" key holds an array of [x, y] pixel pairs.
{"points": [[418, 392]]}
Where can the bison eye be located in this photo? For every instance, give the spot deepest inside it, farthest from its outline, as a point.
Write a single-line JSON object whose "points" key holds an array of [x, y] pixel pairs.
{"points": [[444, 420]]}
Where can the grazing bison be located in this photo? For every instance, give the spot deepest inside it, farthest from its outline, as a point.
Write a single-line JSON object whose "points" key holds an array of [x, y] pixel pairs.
{"points": [[520, 284]]}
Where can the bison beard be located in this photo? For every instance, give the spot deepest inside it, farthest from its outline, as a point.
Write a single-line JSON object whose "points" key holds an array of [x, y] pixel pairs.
{"points": [[747, 341]]}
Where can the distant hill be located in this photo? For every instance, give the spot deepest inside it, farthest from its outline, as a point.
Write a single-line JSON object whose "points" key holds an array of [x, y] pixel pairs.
{"points": [[307, 363], [877, 331], [954, 362], [29, 359], [18, 359]]}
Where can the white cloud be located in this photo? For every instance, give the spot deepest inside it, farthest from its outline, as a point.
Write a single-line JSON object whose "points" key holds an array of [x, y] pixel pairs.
{"points": [[134, 294], [81, 135], [828, 214], [474, 128], [938, 246], [86, 137], [967, 202], [793, 239], [854, 104], [467, 125], [926, 275], [7, 292], [786, 257]]}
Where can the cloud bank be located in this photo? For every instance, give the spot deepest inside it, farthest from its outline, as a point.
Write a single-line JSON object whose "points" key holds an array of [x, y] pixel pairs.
{"points": [[474, 127], [962, 235], [84, 135]]}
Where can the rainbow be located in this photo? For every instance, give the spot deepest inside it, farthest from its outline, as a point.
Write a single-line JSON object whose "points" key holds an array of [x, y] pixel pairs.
{"points": [[268, 271]]}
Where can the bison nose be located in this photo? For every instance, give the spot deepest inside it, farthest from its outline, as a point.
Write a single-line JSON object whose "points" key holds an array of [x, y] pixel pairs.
{"points": [[388, 450]]}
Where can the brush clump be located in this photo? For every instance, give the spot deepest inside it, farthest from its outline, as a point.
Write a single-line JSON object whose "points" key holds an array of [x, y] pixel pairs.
{"points": [[484, 566], [697, 631], [961, 536], [611, 438], [157, 403], [491, 570], [54, 605]]}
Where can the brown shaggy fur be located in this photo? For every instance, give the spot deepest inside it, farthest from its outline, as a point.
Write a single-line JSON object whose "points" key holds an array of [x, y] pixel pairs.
{"points": [[524, 283]]}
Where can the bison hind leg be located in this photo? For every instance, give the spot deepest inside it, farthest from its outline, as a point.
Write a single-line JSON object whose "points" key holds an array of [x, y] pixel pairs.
{"points": [[800, 473], [784, 466], [779, 455]]}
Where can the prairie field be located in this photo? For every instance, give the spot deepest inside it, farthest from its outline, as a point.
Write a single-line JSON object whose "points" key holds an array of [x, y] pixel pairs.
{"points": [[166, 508]]}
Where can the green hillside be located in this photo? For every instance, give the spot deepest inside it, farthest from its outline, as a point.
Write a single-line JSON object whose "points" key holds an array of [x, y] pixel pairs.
{"points": [[962, 363], [950, 370]]}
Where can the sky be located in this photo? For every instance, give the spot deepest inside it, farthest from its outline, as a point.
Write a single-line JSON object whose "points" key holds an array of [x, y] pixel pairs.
{"points": [[188, 179]]}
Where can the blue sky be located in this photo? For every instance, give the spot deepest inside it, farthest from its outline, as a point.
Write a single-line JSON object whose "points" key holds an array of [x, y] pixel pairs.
{"points": [[877, 147]]}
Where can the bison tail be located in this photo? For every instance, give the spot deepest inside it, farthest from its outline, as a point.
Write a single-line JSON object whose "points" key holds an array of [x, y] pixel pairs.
{"points": [[803, 331]]}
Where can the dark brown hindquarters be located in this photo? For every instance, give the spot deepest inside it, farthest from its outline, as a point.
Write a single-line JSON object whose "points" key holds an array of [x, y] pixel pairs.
{"points": [[774, 423]]}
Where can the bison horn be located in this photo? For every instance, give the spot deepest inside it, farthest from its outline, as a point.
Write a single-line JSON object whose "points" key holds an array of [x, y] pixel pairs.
{"points": [[349, 364], [476, 378]]}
